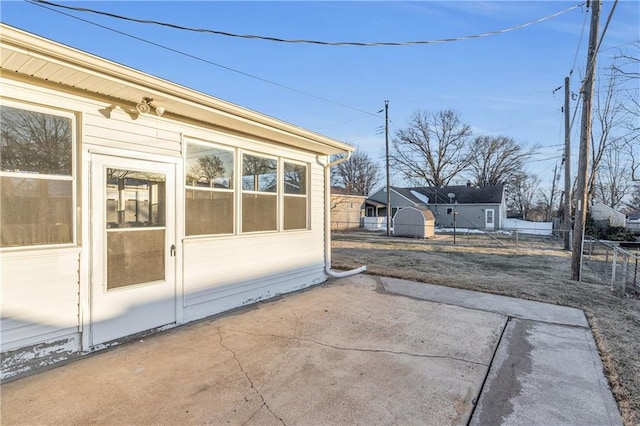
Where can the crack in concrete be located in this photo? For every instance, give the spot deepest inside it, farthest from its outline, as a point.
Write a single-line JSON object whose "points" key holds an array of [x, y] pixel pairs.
{"points": [[476, 400], [345, 348], [264, 402], [295, 328]]}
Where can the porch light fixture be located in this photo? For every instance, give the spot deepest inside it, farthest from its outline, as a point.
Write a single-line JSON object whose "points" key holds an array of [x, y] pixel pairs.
{"points": [[144, 107]]}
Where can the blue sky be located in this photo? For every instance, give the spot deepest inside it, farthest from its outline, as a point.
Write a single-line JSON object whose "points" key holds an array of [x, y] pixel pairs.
{"points": [[499, 85]]}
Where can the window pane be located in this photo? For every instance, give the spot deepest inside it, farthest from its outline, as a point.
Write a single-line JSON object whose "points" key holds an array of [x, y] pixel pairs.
{"points": [[259, 212], [134, 257], [135, 199], [35, 211], [34, 142], [209, 167], [209, 212], [259, 174], [295, 179], [295, 212]]}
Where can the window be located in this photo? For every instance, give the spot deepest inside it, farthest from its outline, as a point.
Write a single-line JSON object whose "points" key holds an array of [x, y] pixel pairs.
{"points": [[259, 193], [209, 195], [36, 178], [449, 210], [295, 196]]}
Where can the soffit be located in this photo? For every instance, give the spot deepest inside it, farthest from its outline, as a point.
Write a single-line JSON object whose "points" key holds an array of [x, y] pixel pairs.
{"points": [[32, 56]]}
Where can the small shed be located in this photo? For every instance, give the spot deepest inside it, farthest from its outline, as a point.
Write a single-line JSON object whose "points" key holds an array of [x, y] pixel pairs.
{"points": [[414, 222]]}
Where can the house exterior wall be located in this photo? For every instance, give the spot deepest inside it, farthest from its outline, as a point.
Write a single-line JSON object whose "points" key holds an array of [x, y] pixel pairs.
{"points": [[346, 212], [469, 215], [46, 290]]}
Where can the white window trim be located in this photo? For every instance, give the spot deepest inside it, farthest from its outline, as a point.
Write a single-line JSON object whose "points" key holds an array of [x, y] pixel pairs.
{"points": [[307, 194], [277, 194], [74, 171], [236, 154]]}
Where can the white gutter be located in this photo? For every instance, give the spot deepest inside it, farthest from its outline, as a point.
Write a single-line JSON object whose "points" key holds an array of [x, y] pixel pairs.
{"points": [[327, 222]]}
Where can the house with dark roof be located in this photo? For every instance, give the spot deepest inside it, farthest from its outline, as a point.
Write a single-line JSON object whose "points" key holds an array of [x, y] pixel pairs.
{"points": [[473, 207]]}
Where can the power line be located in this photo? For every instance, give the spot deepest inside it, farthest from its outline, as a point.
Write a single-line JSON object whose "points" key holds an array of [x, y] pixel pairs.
{"points": [[303, 41], [575, 57], [593, 58], [264, 80]]}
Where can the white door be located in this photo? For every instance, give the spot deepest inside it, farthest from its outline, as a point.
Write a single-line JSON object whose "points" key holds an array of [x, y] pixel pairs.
{"points": [[488, 219], [132, 246]]}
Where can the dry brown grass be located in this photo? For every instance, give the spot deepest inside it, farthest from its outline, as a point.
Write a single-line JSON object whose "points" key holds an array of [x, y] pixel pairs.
{"points": [[533, 270]]}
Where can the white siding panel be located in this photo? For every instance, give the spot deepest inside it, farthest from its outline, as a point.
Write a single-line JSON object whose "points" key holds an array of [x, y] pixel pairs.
{"points": [[211, 263], [39, 295], [103, 136], [317, 200], [230, 297]]}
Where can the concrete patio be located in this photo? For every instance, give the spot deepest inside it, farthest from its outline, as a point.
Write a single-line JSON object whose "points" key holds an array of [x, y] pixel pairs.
{"points": [[358, 350]]}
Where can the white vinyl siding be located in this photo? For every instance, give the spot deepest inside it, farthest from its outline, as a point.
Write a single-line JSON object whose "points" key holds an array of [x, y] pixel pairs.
{"points": [[217, 267], [45, 291], [39, 296]]}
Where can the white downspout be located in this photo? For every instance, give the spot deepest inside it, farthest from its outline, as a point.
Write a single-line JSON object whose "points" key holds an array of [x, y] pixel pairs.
{"points": [[327, 222]]}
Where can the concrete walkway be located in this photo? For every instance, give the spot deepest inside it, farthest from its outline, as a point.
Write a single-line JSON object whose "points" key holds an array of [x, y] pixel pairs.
{"points": [[359, 350]]}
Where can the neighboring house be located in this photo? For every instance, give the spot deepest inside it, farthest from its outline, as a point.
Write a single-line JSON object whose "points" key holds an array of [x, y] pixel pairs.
{"points": [[152, 205], [347, 209], [601, 213], [475, 207]]}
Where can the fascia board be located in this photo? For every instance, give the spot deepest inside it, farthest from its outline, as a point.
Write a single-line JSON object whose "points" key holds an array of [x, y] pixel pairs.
{"points": [[263, 125]]}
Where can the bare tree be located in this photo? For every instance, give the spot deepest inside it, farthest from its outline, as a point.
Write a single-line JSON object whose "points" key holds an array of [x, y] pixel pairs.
{"points": [[610, 128], [634, 202], [258, 173], [359, 174], [495, 160], [627, 61], [35, 142], [548, 200], [521, 193], [612, 182], [206, 170], [433, 149]]}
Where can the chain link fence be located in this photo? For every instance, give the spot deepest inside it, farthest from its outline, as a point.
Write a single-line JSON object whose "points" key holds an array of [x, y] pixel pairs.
{"points": [[521, 237], [617, 265]]}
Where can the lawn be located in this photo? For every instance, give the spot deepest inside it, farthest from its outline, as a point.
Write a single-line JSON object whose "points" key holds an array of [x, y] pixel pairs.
{"points": [[529, 269]]}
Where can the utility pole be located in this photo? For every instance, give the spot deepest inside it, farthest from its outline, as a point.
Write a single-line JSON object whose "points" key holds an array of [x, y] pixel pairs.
{"points": [[567, 168], [386, 143], [585, 137]]}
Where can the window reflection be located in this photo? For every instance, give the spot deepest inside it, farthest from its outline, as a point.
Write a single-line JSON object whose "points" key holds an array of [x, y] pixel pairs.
{"points": [[135, 199]]}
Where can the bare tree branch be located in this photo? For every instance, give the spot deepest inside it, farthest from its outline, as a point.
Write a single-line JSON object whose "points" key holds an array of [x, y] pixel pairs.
{"points": [[359, 174], [495, 160], [433, 149]]}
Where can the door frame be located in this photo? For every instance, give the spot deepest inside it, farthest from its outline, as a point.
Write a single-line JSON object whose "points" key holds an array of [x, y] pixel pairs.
{"points": [[87, 241], [493, 218]]}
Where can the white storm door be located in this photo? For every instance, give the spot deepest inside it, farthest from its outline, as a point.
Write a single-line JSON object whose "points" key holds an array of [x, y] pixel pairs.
{"points": [[488, 219], [132, 246]]}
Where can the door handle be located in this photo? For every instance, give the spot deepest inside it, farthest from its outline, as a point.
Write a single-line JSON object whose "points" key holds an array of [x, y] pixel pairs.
{"points": [[172, 251]]}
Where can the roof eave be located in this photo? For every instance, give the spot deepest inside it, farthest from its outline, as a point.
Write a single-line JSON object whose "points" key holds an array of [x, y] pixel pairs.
{"points": [[196, 105]]}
